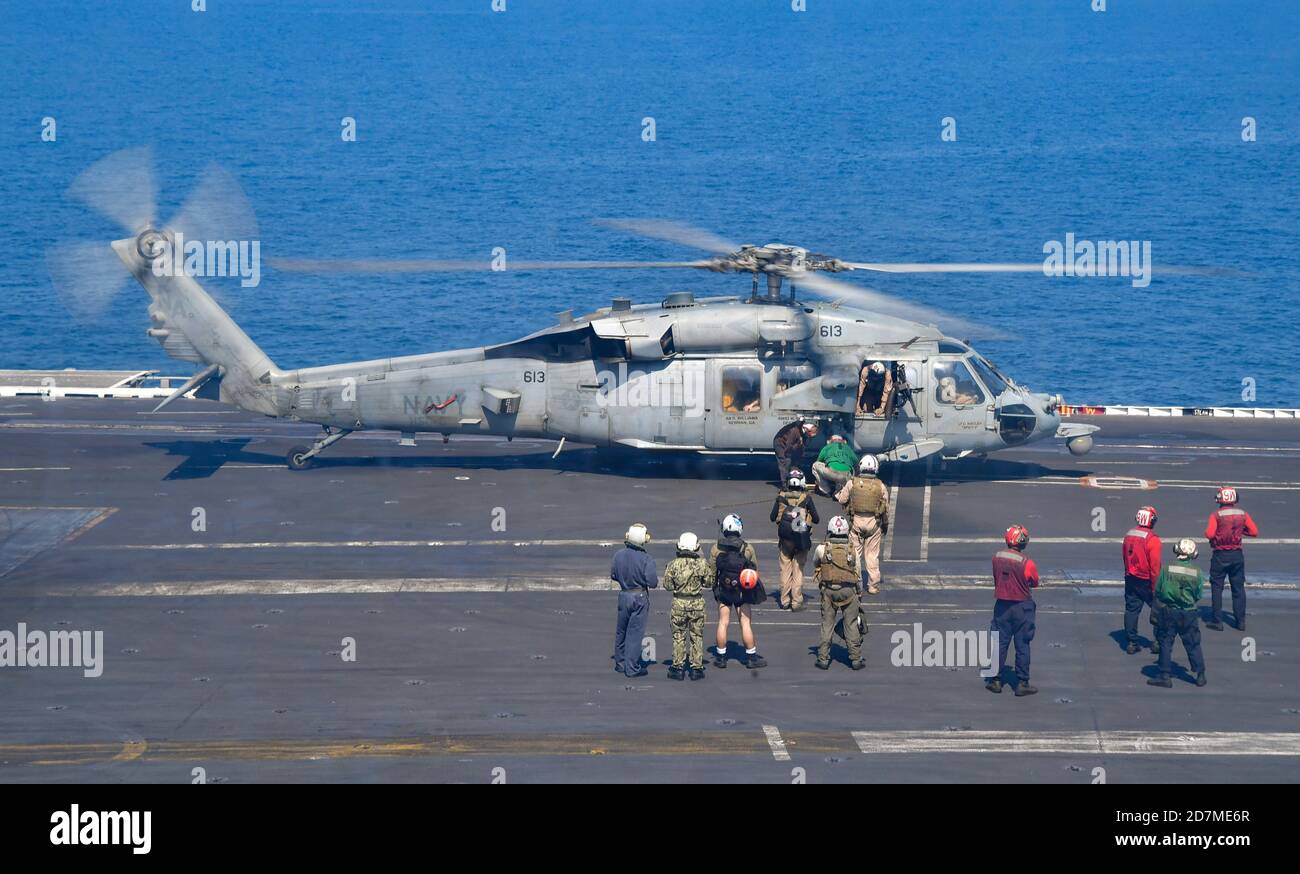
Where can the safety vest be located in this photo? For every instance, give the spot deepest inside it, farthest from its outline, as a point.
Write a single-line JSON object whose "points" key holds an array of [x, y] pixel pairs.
{"points": [[839, 562], [1137, 558], [867, 498], [1009, 576], [1180, 585], [1231, 523]]}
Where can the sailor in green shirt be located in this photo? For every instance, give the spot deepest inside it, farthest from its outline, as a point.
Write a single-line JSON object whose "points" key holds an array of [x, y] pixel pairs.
{"points": [[834, 465], [1177, 591]]}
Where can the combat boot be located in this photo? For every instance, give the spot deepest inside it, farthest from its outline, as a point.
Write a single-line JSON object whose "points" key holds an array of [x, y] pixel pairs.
{"points": [[755, 661], [994, 685], [858, 665], [824, 664], [1217, 626], [719, 661], [1133, 648], [697, 673], [1200, 679], [675, 673], [1163, 682], [1023, 688]]}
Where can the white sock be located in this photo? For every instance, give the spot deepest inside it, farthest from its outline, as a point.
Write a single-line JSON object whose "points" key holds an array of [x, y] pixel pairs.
{"points": [[751, 650], [721, 650]]}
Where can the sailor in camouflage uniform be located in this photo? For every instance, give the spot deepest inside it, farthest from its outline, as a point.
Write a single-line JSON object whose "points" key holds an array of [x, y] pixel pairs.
{"points": [[687, 578]]}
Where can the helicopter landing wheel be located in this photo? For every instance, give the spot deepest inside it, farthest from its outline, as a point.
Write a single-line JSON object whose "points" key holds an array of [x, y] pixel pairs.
{"points": [[298, 458]]}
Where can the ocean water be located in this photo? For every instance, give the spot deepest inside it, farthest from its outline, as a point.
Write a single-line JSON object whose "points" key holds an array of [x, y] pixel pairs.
{"points": [[520, 129]]}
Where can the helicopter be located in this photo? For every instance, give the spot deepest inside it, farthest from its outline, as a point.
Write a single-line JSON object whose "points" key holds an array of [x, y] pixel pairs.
{"points": [[706, 375]]}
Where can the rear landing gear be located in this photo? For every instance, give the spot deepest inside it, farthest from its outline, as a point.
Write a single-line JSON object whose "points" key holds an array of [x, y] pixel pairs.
{"points": [[301, 457]]}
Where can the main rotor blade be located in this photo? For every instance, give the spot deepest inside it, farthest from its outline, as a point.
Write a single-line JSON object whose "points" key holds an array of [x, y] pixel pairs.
{"points": [[121, 187], [417, 265], [945, 268], [1012, 268], [879, 302], [85, 277], [674, 232]]}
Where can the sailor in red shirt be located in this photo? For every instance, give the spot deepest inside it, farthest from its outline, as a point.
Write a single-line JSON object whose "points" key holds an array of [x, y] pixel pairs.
{"points": [[1226, 527], [1141, 570], [1014, 575]]}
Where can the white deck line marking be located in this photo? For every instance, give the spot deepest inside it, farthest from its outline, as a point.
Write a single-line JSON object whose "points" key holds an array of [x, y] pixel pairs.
{"points": [[1209, 743], [23, 469], [893, 508], [513, 585], [1179, 447], [775, 741], [413, 544]]}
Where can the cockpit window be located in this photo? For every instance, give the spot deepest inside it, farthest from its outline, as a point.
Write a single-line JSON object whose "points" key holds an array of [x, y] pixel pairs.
{"points": [[741, 389], [988, 375], [951, 347], [953, 384]]}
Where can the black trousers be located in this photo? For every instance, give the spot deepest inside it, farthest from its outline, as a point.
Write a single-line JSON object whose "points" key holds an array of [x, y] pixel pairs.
{"points": [[786, 462], [1137, 592], [1229, 564], [1179, 623]]}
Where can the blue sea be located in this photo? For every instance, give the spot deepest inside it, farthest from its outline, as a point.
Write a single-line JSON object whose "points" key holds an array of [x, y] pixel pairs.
{"points": [[520, 129]]}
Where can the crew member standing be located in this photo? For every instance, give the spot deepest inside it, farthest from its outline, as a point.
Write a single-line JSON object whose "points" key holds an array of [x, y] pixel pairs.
{"points": [[867, 502], [836, 572], [1226, 527], [788, 446], [1141, 552], [1177, 592], [1014, 611], [686, 578], [730, 558], [794, 513], [634, 571]]}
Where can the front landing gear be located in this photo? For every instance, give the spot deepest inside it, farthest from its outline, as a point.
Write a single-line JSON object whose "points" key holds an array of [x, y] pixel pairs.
{"points": [[301, 458]]}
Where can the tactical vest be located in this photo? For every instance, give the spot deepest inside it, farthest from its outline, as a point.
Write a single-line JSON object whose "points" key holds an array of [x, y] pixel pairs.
{"points": [[839, 562], [1231, 524], [792, 505], [867, 498]]}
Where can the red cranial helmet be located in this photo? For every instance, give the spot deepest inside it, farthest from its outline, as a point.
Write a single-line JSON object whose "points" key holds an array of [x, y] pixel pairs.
{"points": [[1017, 536]]}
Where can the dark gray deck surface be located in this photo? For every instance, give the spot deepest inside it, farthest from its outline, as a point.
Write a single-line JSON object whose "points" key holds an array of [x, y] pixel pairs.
{"points": [[480, 648]]}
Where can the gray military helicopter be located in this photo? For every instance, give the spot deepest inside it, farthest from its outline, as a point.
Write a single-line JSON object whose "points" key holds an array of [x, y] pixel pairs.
{"points": [[717, 374]]}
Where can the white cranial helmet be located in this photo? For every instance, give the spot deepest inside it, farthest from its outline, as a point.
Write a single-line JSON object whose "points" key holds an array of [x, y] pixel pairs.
{"points": [[637, 534], [688, 542], [868, 464], [838, 526], [732, 525]]}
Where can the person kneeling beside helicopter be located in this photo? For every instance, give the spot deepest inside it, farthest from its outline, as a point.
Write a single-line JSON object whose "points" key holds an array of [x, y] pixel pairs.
{"points": [[736, 588]]}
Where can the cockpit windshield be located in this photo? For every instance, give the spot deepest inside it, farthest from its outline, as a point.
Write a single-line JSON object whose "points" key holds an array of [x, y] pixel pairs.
{"points": [[990, 377]]}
